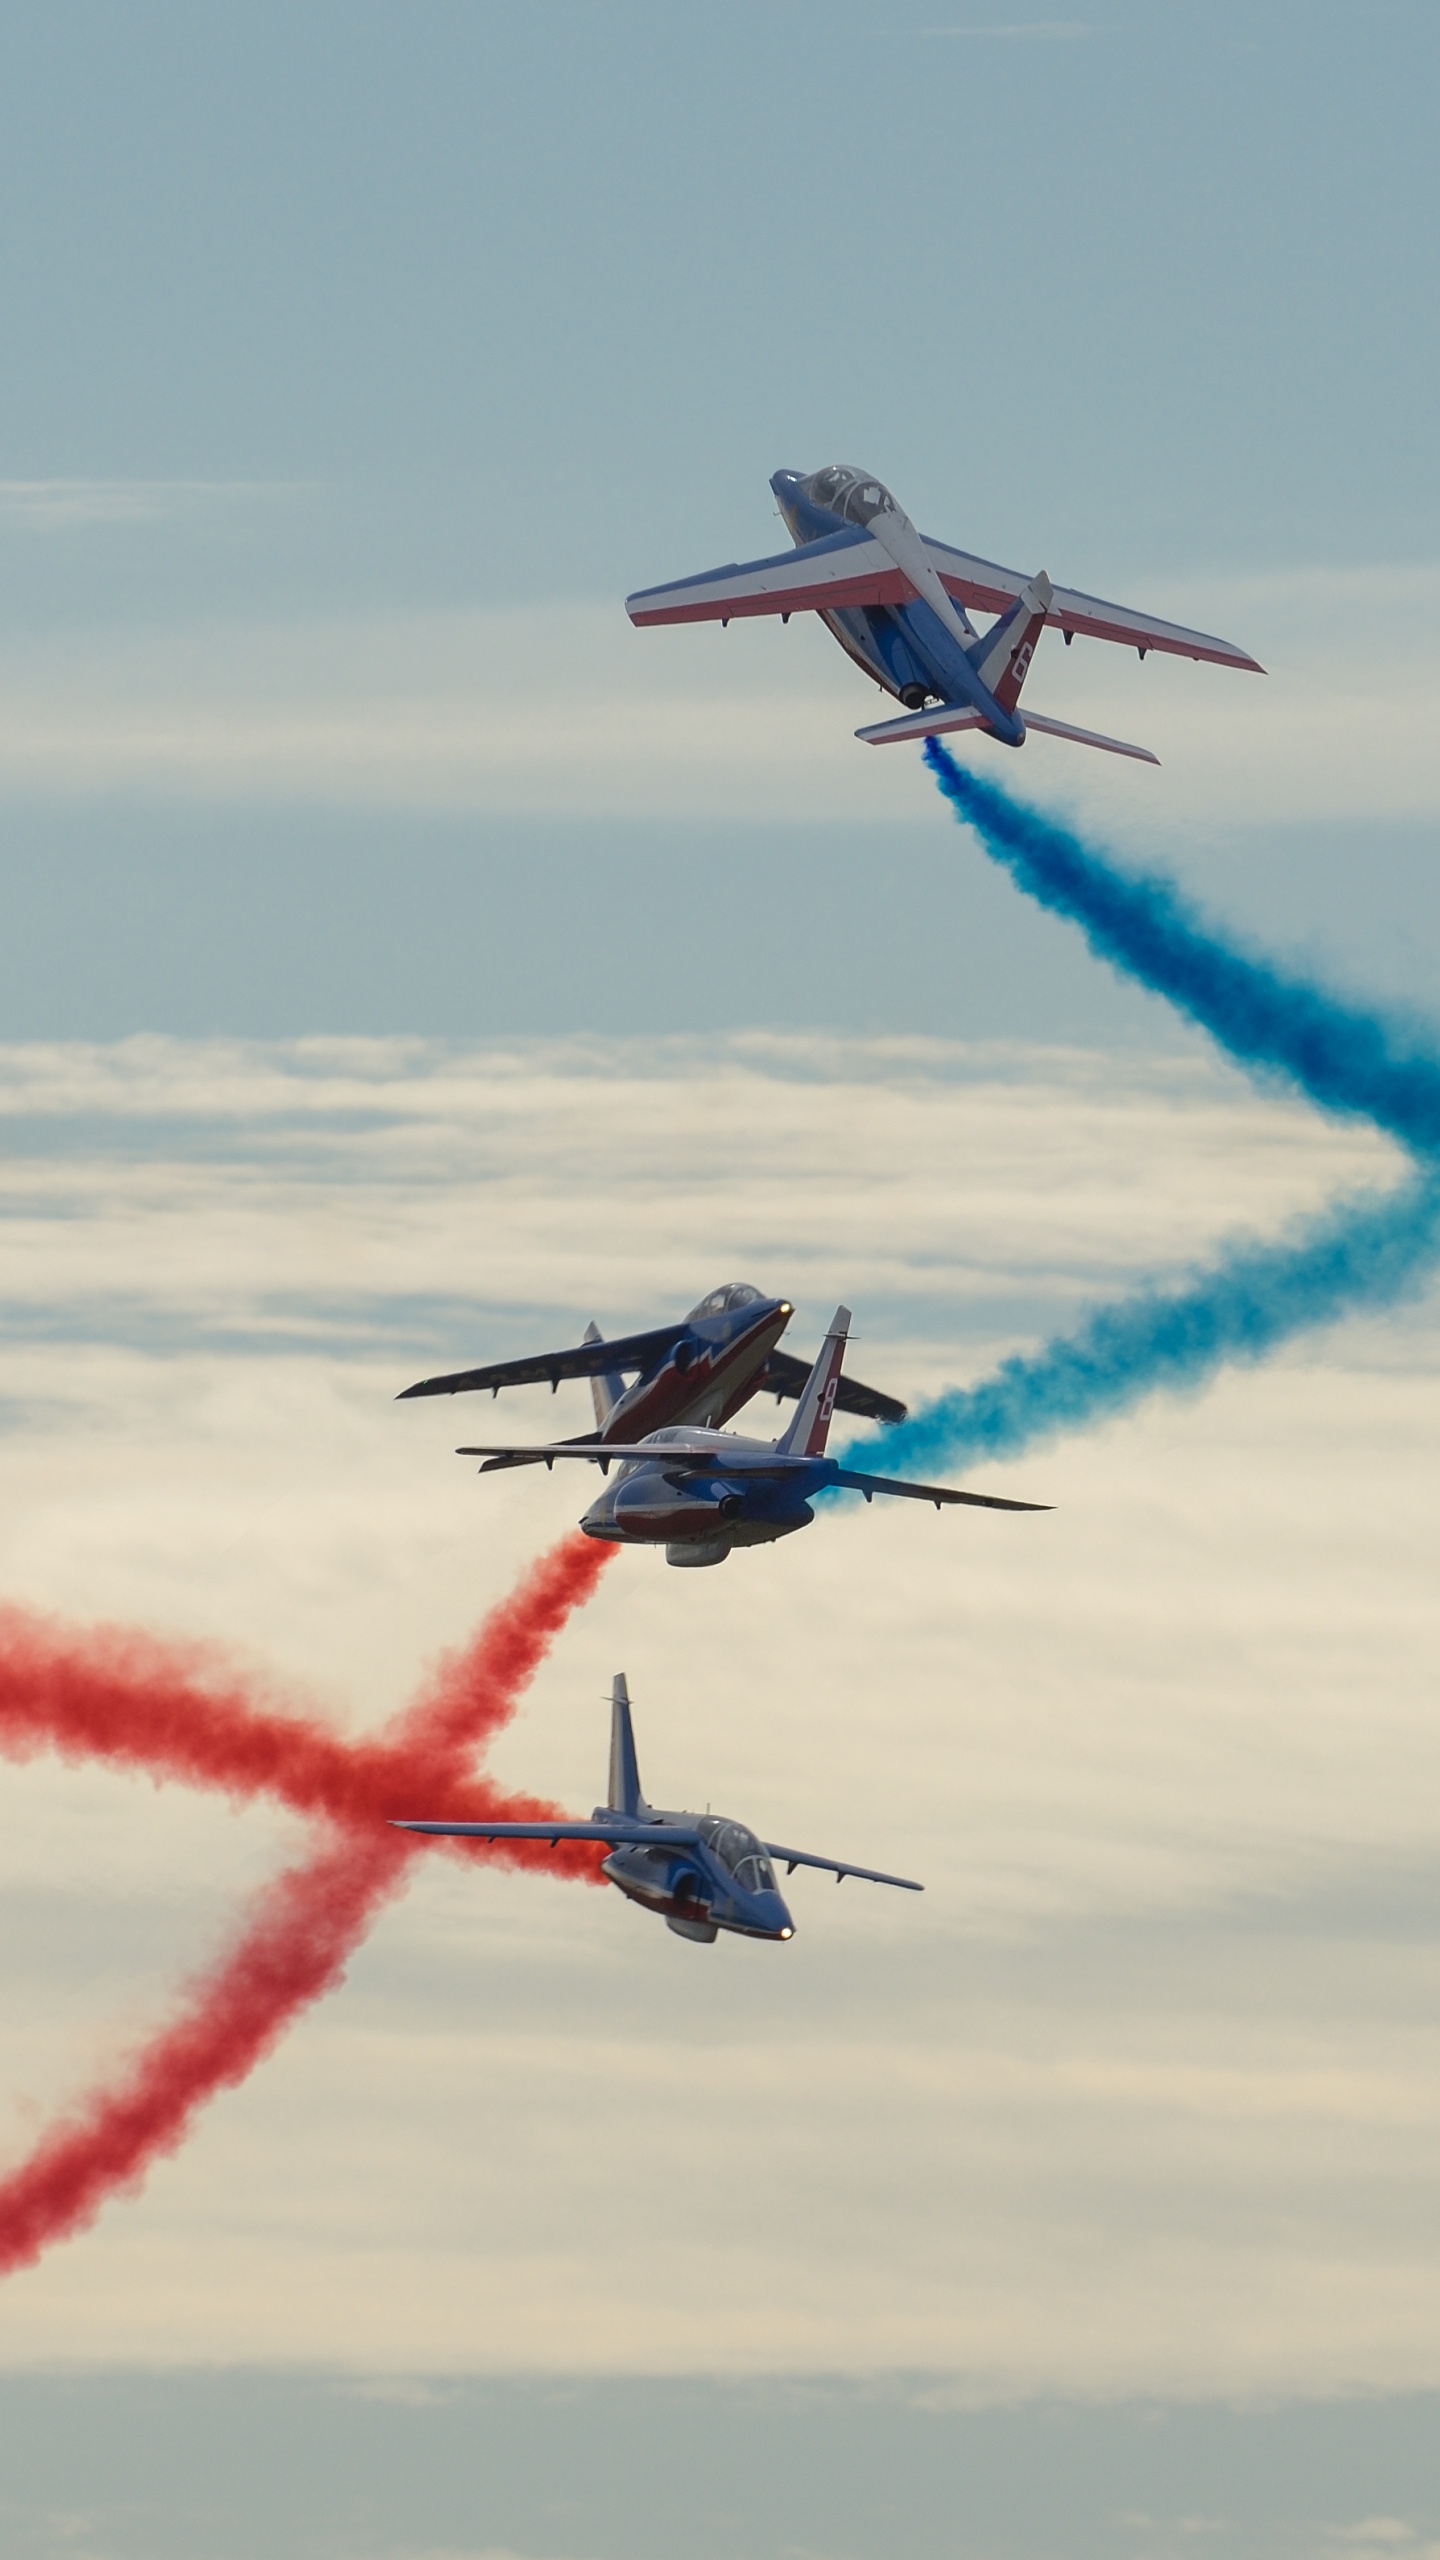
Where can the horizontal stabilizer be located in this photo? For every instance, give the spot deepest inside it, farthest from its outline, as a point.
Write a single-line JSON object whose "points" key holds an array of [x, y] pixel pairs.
{"points": [[923, 724], [1086, 737], [949, 716]]}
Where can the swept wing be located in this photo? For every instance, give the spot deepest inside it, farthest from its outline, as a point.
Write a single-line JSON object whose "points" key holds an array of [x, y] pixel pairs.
{"points": [[852, 568], [936, 1493], [989, 588], [849, 568], [837, 1867], [677, 1461], [547, 1368], [618, 1829], [782, 1375]]}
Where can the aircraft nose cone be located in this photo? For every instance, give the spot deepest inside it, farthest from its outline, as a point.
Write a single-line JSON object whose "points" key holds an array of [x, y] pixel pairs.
{"points": [[773, 1916]]}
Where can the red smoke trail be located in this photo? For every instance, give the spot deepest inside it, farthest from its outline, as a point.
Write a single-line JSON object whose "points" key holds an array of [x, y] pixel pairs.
{"points": [[180, 1711], [127, 1699]]}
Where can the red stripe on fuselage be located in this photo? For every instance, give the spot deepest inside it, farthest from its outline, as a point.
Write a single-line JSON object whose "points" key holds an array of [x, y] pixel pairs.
{"points": [[719, 1380]]}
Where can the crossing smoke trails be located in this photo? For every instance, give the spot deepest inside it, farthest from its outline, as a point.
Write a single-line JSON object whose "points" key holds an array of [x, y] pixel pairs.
{"points": [[137, 1704], [1365, 1251], [179, 1713]]}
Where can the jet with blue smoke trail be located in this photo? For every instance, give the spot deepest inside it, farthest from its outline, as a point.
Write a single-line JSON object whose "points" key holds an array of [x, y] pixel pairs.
{"points": [[1371, 1250], [899, 604], [699, 1492]]}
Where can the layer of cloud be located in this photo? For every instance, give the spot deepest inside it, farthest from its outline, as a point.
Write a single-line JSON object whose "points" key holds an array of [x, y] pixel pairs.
{"points": [[563, 711], [1139, 2096], [79, 506]]}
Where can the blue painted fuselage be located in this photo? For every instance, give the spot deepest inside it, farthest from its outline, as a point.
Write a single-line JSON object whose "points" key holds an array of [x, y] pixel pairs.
{"points": [[723, 1880], [904, 648]]}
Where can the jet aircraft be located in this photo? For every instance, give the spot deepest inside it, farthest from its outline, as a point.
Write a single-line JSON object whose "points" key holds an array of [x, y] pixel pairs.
{"points": [[896, 601], [700, 1873], [701, 1369], [699, 1492]]}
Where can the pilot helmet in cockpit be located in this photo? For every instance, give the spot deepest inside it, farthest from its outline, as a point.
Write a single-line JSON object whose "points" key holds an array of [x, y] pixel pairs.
{"points": [[849, 493]]}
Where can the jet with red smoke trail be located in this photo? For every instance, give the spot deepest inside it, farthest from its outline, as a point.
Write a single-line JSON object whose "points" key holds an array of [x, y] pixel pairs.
{"points": [[701, 1369], [896, 601], [699, 1873], [699, 1492]]}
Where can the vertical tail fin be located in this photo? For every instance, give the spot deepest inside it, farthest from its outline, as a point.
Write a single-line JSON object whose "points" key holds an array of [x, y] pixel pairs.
{"points": [[624, 1795], [1002, 659], [810, 1424], [605, 1391]]}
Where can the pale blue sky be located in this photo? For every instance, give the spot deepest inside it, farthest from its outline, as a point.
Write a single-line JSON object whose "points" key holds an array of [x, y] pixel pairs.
{"points": [[398, 311], [580, 276]]}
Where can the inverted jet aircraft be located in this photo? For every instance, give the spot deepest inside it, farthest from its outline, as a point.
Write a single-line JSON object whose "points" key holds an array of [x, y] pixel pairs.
{"points": [[700, 1873], [699, 1492], [702, 1369], [897, 603]]}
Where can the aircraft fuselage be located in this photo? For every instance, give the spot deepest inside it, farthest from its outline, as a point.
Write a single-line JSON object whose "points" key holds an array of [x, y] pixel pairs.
{"points": [[707, 1376], [698, 1518], [914, 650], [723, 1881]]}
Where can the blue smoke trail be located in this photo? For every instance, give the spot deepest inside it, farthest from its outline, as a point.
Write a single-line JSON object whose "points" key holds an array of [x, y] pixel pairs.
{"points": [[1345, 1060], [1249, 1302], [1364, 1251]]}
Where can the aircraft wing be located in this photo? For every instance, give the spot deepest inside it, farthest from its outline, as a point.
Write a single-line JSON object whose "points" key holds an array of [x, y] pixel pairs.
{"points": [[835, 1866], [520, 1453], [678, 1459], [547, 1368], [582, 1442], [783, 1375], [984, 585], [846, 568], [936, 1493], [620, 1833]]}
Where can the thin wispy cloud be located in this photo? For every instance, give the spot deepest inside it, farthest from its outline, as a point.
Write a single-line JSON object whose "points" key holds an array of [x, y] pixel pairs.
{"points": [[67, 506], [454, 710]]}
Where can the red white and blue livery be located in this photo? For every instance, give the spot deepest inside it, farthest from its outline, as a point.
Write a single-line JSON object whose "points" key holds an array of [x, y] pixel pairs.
{"points": [[899, 603], [698, 1492]]}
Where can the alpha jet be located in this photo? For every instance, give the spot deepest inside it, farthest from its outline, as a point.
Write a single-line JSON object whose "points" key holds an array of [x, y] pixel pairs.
{"points": [[700, 1492], [700, 1873], [701, 1369], [899, 604]]}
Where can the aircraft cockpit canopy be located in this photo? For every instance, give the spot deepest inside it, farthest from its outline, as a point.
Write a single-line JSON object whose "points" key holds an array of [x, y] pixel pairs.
{"points": [[736, 1293], [850, 493], [740, 1851]]}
